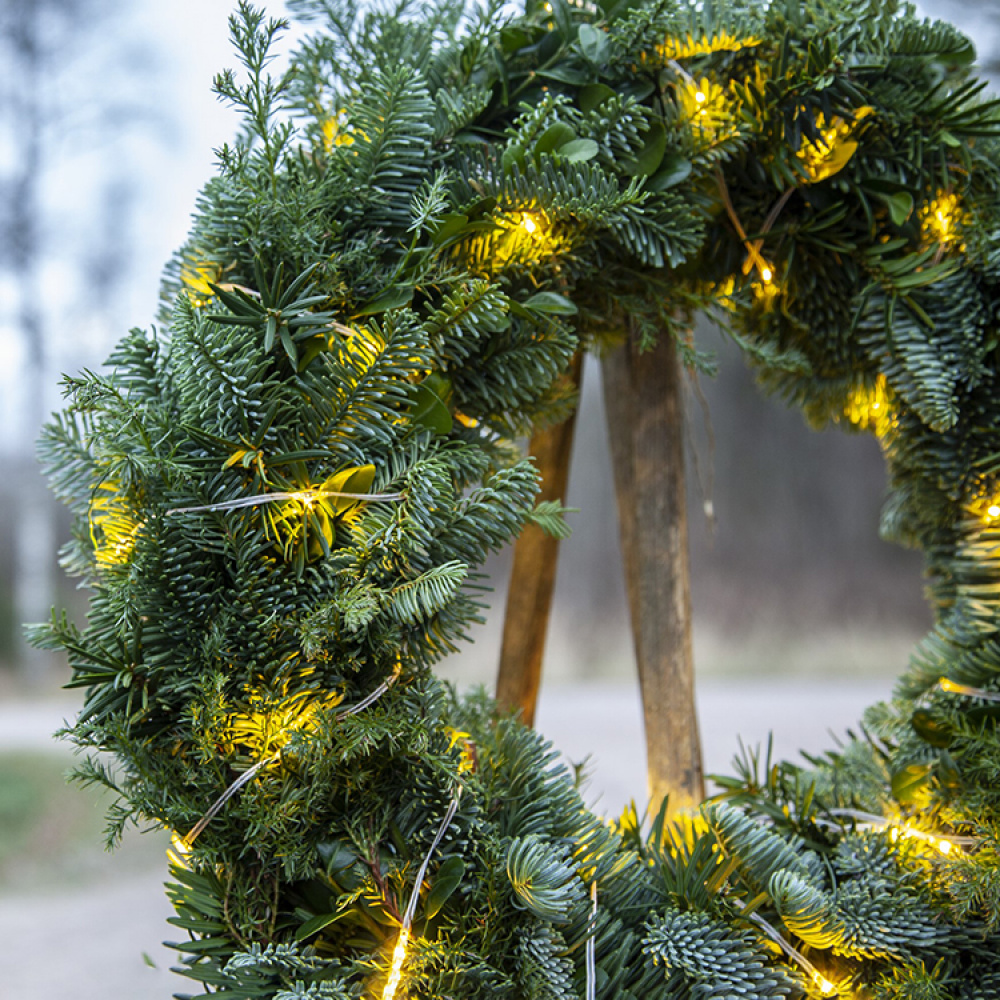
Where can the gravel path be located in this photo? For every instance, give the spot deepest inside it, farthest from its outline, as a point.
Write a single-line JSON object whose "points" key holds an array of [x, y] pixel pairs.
{"points": [[88, 944]]}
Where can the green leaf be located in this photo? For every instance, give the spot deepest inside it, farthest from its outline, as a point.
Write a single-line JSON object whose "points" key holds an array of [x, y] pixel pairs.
{"points": [[552, 303], [931, 730], [593, 96], [394, 298], [315, 924], [567, 74], [448, 878], [909, 786], [650, 156], [429, 408], [900, 206], [512, 156], [358, 479], [557, 134], [450, 226], [563, 18], [593, 44], [579, 150], [674, 169]]}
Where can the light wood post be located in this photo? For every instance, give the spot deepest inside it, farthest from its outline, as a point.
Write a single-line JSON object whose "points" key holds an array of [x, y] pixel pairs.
{"points": [[644, 411], [533, 575]]}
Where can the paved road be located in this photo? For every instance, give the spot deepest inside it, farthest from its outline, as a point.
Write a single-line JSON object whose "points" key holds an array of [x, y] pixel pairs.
{"points": [[88, 944]]}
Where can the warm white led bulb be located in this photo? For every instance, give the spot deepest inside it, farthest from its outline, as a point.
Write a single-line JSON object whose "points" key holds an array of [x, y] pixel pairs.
{"points": [[993, 510], [700, 97], [766, 273]]}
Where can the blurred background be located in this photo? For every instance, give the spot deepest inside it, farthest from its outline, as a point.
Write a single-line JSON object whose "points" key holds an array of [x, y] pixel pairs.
{"points": [[107, 127]]}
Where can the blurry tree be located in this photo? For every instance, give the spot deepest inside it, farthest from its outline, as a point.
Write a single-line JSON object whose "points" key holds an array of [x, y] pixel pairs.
{"points": [[68, 92]]}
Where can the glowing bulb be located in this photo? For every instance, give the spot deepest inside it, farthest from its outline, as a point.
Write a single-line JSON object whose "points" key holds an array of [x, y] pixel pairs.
{"points": [[700, 97], [396, 969], [766, 274], [993, 510], [944, 846], [825, 986], [528, 224]]}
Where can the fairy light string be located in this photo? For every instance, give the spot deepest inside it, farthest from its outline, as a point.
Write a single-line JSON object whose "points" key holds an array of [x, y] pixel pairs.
{"points": [[184, 844], [952, 687], [399, 952], [825, 986], [945, 844], [590, 953], [305, 497]]}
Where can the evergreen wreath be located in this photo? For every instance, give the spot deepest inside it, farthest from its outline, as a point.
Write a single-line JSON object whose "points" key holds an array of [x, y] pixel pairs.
{"points": [[283, 495]]}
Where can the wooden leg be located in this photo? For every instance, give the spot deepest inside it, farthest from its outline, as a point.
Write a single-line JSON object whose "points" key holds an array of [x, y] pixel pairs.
{"points": [[533, 576], [644, 411]]}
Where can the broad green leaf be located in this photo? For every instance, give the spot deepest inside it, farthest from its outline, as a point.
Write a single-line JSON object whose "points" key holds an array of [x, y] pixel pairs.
{"points": [[446, 881], [579, 150], [318, 923], [931, 730], [909, 786], [556, 135], [358, 479], [512, 156], [568, 75], [563, 18], [451, 225], [429, 408], [650, 156], [593, 44], [900, 207], [394, 298], [552, 303], [674, 169], [593, 96]]}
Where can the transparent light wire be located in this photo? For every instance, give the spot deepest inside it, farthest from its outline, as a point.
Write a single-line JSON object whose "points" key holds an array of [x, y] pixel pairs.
{"points": [[259, 499], [186, 842], [399, 952], [826, 986], [590, 954]]}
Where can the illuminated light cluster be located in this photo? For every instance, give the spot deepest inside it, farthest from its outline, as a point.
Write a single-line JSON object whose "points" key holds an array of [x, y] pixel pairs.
{"points": [[942, 220], [983, 506], [396, 966], [179, 850], [824, 985], [336, 131], [468, 758], [946, 684], [706, 106], [688, 46], [528, 223], [114, 527], [832, 150], [767, 290], [869, 407], [198, 274], [941, 844], [520, 236], [267, 727]]}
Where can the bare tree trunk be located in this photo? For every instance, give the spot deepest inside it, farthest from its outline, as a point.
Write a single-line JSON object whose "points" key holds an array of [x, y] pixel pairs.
{"points": [[35, 538], [533, 576], [644, 411]]}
